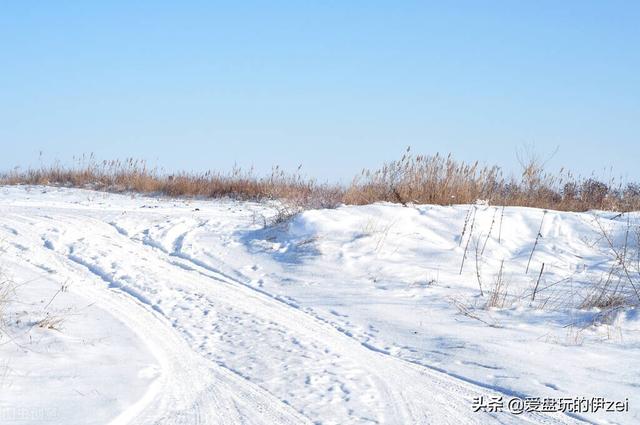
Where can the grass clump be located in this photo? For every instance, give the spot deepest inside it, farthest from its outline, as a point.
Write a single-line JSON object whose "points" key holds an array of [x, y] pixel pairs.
{"points": [[443, 180]]}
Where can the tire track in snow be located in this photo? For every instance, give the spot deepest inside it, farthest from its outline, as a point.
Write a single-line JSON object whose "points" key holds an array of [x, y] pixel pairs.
{"points": [[91, 251], [477, 387], [459, 389], [190, 389], [404, 387]]}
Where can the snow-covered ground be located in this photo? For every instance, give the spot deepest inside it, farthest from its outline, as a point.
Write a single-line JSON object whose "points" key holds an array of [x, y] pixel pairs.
{"points": [[129, 309]]}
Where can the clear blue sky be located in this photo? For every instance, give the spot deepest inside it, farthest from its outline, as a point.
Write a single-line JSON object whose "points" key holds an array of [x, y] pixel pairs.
{"points": [[333, 85]]}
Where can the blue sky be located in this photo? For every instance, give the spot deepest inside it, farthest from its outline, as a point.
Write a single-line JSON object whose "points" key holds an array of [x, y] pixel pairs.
{"points": [[335, 86]]}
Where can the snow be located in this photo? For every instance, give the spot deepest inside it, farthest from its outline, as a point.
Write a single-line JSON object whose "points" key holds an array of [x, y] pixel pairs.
{"points": [[192, 311], [89, 364]]}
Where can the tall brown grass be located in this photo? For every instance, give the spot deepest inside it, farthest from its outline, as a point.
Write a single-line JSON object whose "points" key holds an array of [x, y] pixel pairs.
{"points": [[419, 179], [133, 175], [442, 180]]}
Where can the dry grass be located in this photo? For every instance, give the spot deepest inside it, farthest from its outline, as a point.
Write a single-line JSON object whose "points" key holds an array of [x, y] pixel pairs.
{"points": [[135, 176], [620, 286], [413, 179], [49, 322], [6, 293], [443, 180], [499, 292]]}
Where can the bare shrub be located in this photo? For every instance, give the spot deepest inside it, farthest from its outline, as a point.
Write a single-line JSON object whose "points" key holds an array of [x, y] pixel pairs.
{"points": [[537, 285], [284, 214], [626, 262], [499, 292], [478, 272], [619, 286], [466, 247], [535, 244], [594, 192], [603, 300]]}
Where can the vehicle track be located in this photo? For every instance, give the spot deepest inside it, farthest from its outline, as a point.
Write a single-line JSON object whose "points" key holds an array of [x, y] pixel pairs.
{"points": [[177, 304], [190, 388]]}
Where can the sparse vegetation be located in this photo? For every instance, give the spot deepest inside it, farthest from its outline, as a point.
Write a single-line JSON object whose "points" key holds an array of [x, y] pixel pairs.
{"points": [[616, 290], [284, 213], [498, 294], [51, 322], [620, 285], [6, 292], [535, 244], [466, 247]]}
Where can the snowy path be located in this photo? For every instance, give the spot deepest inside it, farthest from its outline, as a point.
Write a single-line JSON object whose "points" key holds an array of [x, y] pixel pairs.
{"points": [[190, 389], [228, 353]]}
